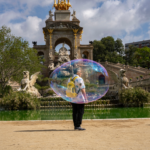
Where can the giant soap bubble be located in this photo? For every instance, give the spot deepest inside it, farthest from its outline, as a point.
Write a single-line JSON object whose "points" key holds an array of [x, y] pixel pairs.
{"points": [[94, 76]]}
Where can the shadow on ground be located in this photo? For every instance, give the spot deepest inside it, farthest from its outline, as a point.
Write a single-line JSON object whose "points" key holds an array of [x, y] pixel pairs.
{"points": [[42, 130]]}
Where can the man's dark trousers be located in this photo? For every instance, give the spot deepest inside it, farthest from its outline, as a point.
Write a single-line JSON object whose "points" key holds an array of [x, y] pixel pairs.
{"points": [[78, 111]]}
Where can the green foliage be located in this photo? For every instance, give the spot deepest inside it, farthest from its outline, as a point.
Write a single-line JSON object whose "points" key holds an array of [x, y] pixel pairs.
{"points": [[19, 101], [134, 97], [108, 49], [138, 56], [52, 99], [16, 57], [48, 93], [90, 85], [59, 102], [99, 51], [130, 59], [142, 56], [119, 47], [109, 43], [51, 92], [7, 89], [42, 84]]}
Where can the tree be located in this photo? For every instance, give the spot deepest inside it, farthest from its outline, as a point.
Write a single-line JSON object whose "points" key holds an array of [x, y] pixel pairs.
{"points": [[15, 57], [98, 51], [119, 46], [130, 58], [106, 50], [109, 43], [142, 56], [115, 57]]}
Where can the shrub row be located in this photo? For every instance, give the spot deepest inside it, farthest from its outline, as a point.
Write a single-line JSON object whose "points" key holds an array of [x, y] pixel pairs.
{"points": [[19, 101], [135, 97], [51, 99], [23, 100], [60, 99], [62, 103]]}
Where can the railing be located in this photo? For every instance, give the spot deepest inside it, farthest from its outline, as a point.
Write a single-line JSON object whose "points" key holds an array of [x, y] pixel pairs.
{"points": [[147, 71]]}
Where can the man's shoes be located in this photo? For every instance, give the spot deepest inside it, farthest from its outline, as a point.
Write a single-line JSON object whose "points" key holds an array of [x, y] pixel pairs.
{"points": [[79, 128]]}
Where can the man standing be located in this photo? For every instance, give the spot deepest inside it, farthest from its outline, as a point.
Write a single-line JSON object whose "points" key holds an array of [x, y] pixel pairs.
{"points": [[78, 105]]}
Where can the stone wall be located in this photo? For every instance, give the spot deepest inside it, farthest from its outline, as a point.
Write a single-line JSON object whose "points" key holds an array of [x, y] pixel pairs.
{"points": [[131, 72]]}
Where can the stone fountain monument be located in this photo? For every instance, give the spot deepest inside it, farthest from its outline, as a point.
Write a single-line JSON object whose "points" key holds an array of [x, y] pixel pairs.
{"points": [[60, 28]]}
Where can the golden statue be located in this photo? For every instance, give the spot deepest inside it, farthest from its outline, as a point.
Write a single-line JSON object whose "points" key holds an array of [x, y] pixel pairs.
{"points": [[63, 5]]}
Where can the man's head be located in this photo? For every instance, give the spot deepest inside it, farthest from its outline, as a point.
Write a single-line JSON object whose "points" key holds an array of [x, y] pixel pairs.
{"points": [[77, 71]]}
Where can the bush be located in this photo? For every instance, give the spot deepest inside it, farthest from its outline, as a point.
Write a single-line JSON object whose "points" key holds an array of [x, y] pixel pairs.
{"points": [[52, 99], [49, 93], [134, 97], [19, 101], [7, 90]]}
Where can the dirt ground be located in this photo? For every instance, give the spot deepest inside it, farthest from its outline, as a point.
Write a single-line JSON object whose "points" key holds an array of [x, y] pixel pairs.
{"points": [[59, 135]]}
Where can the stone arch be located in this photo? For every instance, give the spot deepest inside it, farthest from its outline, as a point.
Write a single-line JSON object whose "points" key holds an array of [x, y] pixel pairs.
{"points": [[67, 41], [101, 79], [85, 54], [62, 40]]}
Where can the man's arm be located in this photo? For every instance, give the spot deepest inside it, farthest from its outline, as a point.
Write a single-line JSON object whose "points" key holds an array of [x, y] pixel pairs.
{"points": [[84, 94]]}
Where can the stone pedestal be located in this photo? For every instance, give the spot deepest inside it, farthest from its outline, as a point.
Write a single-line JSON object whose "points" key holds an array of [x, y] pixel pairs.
{"points": [[62, 15]]}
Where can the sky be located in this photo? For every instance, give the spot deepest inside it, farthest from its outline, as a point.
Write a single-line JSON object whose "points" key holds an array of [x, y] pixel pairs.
{"points": [[128, 20]]}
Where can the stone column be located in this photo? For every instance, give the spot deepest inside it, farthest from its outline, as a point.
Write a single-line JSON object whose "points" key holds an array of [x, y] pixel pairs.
{"points": [[50, 49], [75, 43], [50, 34]]}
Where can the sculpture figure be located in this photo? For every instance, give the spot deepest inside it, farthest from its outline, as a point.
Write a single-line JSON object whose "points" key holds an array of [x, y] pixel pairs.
{"points": [[63, 5], [124, 80], [67, 53], [76, 56], [74, 15], [51, 66], [50, 55], [63, 57], [50, 15], [28, 84]]}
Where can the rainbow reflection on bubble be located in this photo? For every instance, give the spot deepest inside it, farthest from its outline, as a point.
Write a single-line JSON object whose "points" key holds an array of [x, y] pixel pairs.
{"points": [[94, 75]]}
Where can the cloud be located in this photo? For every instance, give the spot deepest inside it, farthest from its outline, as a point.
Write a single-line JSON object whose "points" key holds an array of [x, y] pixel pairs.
{"points": [[26, 6], [149, 30], [99, 18], [9, 16], [131, 38], [30, 29], [31, 3], [113, 18], [90, 13]]}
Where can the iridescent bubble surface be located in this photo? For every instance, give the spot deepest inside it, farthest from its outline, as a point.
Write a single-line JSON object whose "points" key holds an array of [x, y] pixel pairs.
{"points": [[93, 75]]}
